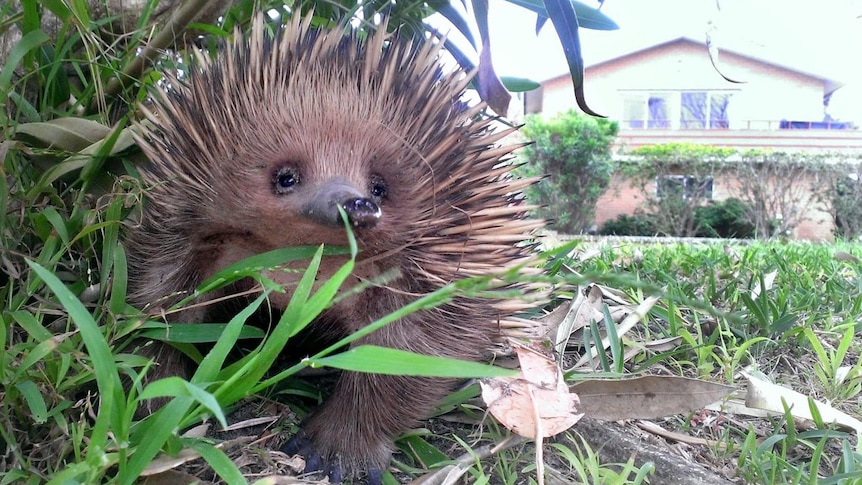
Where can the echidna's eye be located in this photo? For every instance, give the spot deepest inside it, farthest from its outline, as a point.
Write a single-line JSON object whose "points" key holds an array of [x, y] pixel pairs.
{"points": [[285, 179], [378, 187]]}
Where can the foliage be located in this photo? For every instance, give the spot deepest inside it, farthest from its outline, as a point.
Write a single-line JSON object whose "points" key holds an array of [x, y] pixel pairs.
{"points": [[65, 198], [629, 225], [777, 189], [128, 39], [684, 174], [573, 152], [727, 219], [679, 153], [845, 201]]}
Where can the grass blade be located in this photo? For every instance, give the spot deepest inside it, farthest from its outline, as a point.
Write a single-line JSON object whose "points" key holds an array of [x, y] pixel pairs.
{"points": [[384, 360], [107, 376]]}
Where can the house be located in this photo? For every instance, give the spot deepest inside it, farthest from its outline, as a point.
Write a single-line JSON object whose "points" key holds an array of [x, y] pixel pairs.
{"points": [[670, 92]]}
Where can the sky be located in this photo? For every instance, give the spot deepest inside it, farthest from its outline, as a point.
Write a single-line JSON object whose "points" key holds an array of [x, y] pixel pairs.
{"points": [[822, 37]]}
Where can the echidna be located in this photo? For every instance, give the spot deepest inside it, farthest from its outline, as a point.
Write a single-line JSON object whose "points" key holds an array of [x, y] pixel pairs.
{"points": [[258, 147]]}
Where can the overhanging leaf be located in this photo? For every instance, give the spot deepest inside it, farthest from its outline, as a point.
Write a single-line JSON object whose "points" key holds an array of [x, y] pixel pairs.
{"points": [[458, 21], [588, 17], [565, 19], [487, 83]]}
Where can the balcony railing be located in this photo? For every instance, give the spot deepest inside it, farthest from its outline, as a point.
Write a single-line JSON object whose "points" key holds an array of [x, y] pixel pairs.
{"points": [[722, 125]]}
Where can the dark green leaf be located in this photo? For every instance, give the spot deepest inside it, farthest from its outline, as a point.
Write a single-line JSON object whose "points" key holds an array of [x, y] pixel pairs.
{"points": [[426, 454], [565, 19], [28, 42], [383, 360], [107, 376], [35, 401], [195, 333], [454, 16], [487, 83], [588, 17], [177, 387]]}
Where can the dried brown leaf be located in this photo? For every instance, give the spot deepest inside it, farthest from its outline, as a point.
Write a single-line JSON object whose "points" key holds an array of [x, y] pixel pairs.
{"points": [[663, 344], [772, 397], [584, 308], [646, 397], [537, 402], [173, 477], [844, 256]]}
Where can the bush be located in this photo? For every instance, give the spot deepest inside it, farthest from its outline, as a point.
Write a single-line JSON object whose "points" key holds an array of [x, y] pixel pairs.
{"points": [[727, 219], [626, 225], [846, 204], [573, 151]]}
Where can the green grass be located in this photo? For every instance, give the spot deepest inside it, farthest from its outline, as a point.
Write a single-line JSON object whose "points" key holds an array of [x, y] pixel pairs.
{"points": [[789, 310]]}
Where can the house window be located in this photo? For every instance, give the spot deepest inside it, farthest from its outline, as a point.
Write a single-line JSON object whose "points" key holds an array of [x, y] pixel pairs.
{"points": [[718, 110], [659, 107], [693, 109], [647, 110], [685, 186], [702, 109]]}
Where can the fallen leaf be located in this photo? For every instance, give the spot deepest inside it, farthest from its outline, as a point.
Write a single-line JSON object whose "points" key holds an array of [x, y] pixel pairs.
{"points": [[173, 477], [844, 256], [537, 402], [584, 308], [772, 397], [646, 397], [663, 344], [768, 280]]}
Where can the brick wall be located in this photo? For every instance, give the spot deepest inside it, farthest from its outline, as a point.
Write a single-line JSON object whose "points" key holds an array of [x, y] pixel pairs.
{"points": [[622, 197]]}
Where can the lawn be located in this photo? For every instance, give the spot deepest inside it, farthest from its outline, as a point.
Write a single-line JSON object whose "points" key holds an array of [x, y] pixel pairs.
{"points": [[782, 312], [786, 313]]}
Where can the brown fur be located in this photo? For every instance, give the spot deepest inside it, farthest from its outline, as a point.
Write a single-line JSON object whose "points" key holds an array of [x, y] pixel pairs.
{"points": [[337, 110]]}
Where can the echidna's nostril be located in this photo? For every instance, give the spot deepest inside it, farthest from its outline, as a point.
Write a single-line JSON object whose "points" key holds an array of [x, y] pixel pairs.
{"points": [[363, 213]]}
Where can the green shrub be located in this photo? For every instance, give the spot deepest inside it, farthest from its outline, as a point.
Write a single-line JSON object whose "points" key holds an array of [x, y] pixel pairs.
{"points": [[573, 152], [725, 219], [626, 225], [846, 204]]}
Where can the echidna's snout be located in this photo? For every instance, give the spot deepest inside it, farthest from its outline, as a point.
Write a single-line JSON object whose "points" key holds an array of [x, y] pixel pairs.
{"points": [[362, 212], [322, 207]]}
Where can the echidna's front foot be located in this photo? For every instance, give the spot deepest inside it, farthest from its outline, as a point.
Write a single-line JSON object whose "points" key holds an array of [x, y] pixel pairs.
{"points": [[302, 444]]}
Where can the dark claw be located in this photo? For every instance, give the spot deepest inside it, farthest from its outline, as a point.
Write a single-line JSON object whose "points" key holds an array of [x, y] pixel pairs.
{"points": [[296, 445], [375, 476], [335, 474], [300, 444], [313, 463]]}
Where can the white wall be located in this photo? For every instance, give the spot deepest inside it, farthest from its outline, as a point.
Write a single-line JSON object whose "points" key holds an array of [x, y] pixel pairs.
{"points": [[768, 93]]}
